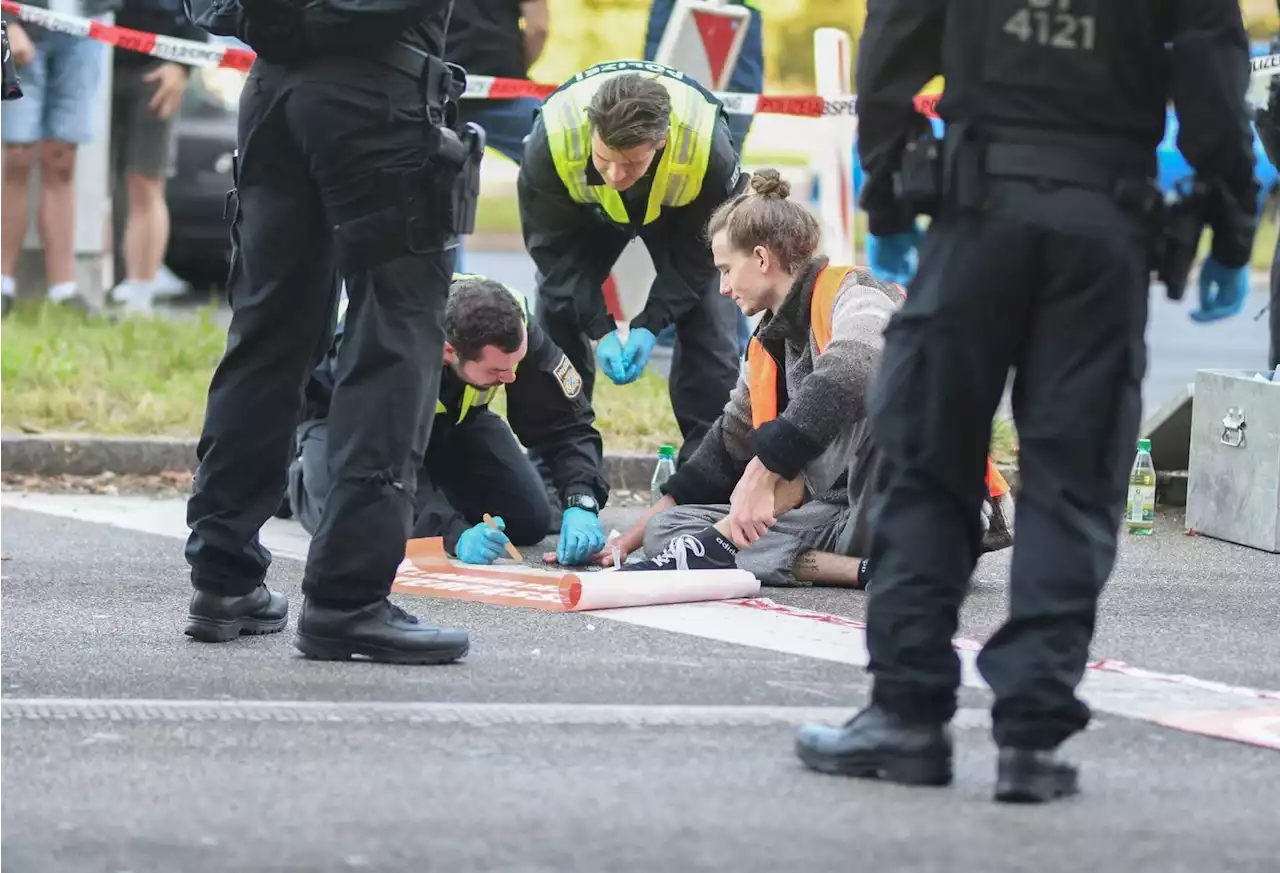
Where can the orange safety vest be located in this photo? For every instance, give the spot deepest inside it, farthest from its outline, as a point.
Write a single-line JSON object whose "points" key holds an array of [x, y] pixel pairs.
{"points": [[762, 369]]}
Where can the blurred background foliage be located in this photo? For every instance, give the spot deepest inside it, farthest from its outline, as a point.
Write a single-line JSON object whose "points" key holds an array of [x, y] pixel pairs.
{"points": [[585, 32]]}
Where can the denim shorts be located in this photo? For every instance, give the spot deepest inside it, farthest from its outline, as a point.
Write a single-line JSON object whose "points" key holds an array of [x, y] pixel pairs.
{"points": [[59, 91]]}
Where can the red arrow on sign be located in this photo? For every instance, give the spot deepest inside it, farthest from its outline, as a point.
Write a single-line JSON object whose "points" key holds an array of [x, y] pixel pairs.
{"points": [[717, 34]]}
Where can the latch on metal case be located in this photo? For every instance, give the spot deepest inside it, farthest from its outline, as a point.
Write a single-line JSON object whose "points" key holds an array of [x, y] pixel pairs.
{"points": [[1233, 425]]}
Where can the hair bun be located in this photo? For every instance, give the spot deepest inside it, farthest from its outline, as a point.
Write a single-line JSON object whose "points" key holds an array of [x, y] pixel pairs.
{"points": [[769, 183]]}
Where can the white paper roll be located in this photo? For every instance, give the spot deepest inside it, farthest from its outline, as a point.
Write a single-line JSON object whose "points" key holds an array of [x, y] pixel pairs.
{"points": [[613, 590]]}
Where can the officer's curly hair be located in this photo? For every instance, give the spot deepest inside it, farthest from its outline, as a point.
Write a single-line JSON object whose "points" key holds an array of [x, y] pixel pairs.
{"points": [[630, 110], [481, 312], [763, 216]]}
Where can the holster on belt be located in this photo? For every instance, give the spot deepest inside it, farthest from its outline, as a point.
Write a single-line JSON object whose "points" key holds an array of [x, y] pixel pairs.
{"points": [[442, 83], [1172, 228], [449, 183], [12, 87]]}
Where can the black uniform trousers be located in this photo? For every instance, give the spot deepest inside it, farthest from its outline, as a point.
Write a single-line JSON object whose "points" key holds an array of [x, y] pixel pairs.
{"points": [[704, 359], [478, 467], [322, 148], [1054, 284]]}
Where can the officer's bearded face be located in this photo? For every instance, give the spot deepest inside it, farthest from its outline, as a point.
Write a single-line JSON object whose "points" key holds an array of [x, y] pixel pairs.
{"points": [[494, 366], [746, 277], [622, 168]]}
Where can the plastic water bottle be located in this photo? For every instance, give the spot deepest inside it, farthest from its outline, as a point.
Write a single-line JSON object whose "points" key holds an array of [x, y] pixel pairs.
{"points": [[665, 470], [1140, 511]]}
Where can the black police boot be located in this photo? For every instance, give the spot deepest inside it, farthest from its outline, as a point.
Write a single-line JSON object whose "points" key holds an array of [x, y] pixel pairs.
{"points": [[1028, 776], [213, 618], [876, 744], [380, 631]]}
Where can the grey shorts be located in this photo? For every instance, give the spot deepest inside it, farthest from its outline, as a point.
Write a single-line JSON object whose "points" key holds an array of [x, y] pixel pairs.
{"points": [[825, 527], [141, 143]]}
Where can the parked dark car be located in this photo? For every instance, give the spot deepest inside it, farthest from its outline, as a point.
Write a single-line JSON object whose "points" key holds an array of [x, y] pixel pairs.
{"points": [[199, 241]]}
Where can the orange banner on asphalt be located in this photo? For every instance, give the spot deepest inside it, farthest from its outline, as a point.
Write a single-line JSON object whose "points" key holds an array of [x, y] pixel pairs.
{"points": [[430, 572]]}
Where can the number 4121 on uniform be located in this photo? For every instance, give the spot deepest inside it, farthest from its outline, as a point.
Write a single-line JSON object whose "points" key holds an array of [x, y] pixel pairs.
{"points": [[1052, 23]]}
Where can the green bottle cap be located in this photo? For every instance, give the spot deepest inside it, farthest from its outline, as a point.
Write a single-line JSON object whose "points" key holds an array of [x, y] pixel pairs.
{"points": [[666, 451], [1144, 445]]}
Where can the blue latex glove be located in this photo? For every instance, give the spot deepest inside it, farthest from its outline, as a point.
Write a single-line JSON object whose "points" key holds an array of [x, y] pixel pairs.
{"points": [[612, 359], [581, 536], [482, 544], [1222, 291], [893, 258], [635, 354]]}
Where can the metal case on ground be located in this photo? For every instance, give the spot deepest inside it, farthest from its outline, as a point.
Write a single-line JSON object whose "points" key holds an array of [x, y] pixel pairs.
{"points": [[1233, 489]]}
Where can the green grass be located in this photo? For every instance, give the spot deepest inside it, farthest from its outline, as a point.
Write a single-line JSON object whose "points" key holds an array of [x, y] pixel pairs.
{"points": [[498, 215], [62, 372], [149, 376], [1004, 442]]}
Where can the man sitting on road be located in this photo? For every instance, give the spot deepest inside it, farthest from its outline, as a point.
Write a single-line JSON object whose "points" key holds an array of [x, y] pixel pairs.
{"points": [[473, 463], [780, 486]]}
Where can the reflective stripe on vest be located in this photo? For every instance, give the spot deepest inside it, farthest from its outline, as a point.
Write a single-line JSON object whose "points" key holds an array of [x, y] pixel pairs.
{"points": [[762, 370], [677, 179]]}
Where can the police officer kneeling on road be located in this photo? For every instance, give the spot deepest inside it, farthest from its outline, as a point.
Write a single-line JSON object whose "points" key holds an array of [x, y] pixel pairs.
{"points": [[621, 150], [349, 168], [1037, 260], [473, 464]]}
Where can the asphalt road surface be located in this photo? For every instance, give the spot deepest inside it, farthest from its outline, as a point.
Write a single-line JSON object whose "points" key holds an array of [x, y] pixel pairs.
{"points": [[647, 739]]}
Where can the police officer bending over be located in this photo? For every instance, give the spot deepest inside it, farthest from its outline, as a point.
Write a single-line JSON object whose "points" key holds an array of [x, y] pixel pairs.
{"points": [[1036, 259], [473, 464], [348, 168], [625, 149]]}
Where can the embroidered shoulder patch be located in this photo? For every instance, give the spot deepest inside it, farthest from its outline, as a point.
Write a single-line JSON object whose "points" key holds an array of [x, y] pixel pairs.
{"points": [[570, 381]]}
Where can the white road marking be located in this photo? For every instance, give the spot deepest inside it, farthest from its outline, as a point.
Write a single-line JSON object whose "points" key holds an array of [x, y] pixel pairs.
{"points": [[117, 710], [1109, 686]]}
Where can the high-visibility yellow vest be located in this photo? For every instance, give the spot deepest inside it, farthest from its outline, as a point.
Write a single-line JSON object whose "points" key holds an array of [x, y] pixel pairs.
{"points": [[471, 396], [678, 177]]}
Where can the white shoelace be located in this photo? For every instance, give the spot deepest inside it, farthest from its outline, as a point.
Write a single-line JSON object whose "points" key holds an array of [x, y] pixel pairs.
{"points": [[678, 550]]}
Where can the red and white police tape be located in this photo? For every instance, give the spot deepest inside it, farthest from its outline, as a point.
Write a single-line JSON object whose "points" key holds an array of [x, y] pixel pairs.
{"points": [[200, 54]]}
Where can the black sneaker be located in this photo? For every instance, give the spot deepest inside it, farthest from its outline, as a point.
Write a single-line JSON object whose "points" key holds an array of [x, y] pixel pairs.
{"points": [[707, 550]]}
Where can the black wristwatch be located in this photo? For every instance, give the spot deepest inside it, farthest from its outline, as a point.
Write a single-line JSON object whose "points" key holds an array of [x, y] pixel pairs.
{"points": [[582, 501]]}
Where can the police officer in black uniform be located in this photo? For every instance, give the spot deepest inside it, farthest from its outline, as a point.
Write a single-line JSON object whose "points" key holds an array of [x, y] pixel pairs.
{"points": [[576, 244], [1036, 259], [473, 464], [349, 167]]}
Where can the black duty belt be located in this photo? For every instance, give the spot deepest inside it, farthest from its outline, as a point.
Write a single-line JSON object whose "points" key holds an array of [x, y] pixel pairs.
{"points": [[430, 71], [1056, 164]]}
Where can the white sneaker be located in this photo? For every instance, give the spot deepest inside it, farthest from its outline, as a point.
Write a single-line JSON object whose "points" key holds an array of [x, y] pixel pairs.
{"points": [[169, 284], [133, 296]]}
